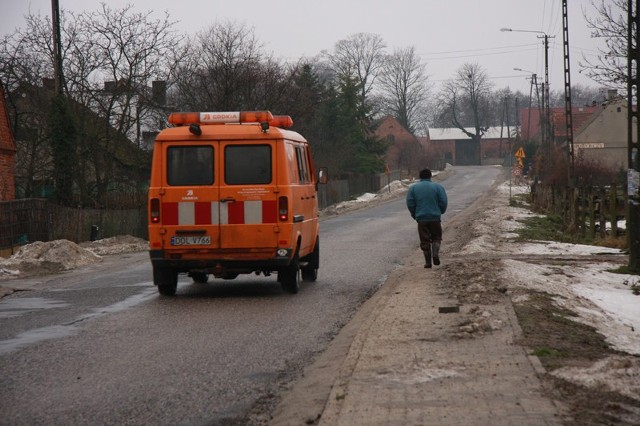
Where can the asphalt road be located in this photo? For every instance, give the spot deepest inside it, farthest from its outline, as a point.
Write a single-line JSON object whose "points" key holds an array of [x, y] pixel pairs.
{"points": [[98, 345]]}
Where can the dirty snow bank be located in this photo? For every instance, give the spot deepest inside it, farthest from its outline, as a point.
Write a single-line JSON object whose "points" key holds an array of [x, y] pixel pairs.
{"points": [[62, 255], [116, 245], [392, 190]]}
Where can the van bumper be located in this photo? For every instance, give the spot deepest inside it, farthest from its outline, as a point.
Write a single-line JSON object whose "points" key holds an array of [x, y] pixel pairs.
{"points": [[184, 263]]}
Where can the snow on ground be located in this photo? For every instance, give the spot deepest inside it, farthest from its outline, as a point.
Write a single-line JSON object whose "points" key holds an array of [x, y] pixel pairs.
{"points": [[62, 255], [601, 298]]}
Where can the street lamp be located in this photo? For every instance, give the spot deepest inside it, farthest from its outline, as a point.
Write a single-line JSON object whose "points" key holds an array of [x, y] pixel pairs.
{"points": [[545, 92]]}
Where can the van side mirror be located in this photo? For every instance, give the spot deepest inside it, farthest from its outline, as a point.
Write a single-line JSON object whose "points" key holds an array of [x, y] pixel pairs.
{"points": [[323, 175]]}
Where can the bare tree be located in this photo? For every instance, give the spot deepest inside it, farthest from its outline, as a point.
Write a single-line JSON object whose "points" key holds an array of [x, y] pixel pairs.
{"points": [[359, 58], [464, 102], [223, 71], [609, 24], [117, 45], [25, 59], [114, 55], [405, 87]]}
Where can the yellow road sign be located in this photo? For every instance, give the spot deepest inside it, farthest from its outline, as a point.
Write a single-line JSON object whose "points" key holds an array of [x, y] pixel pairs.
{"points": [[520, 153]]}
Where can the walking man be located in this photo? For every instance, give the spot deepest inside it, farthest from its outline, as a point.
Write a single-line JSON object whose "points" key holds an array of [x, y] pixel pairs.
{"points": [[427, 202]]}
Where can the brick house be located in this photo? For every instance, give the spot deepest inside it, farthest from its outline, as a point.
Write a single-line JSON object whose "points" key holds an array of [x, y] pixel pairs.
{"points": [[405, 151], [7, 153], [530, 120]]}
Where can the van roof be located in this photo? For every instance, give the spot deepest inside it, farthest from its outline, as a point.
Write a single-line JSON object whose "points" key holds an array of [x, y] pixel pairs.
{"points": [[227, 132]]}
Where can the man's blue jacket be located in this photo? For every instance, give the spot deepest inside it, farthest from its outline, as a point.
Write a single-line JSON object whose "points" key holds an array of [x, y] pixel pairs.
{"points": [[426, 201]]}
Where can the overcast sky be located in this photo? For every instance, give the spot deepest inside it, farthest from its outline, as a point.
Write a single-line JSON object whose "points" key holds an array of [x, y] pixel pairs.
{"points": [[445, 33]]}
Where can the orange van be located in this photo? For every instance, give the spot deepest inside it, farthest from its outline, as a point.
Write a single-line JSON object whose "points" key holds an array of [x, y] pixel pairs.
{"points": [[233, 193]]}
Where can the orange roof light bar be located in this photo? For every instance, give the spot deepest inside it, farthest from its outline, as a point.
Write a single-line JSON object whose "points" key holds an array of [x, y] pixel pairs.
{"points": [[183, 118], [281, 121]]}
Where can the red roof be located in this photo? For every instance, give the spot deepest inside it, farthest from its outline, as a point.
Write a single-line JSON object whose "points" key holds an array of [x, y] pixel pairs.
{"points": [[579, 116]]}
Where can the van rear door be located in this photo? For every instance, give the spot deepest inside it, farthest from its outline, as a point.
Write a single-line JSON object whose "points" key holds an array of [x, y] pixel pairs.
{"points": [[248, 195], [189, 197]]}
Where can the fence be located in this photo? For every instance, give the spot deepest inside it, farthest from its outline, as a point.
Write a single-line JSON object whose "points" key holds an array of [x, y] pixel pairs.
{"points": [[33, 219], [27, 220], [336, 191], [591, 211]]}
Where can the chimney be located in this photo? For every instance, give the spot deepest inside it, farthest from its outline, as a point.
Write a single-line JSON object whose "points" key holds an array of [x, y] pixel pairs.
{"points": [[159, 92], [612, 94]]}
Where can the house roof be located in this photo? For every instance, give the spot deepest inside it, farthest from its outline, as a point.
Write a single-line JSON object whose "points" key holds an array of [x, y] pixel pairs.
{"points": [[109, 140], [445, 134], [530, 119], [579, 118], [390, 124]]}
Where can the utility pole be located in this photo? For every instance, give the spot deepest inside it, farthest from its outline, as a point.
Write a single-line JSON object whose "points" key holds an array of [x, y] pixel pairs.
{"points": [[57, 47], [534, 82], [546, 128], [567, 94], [547, 108], [633, 175]]}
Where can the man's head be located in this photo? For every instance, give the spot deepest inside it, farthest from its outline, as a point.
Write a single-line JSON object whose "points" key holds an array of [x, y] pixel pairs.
{"points": [[425, 174]]}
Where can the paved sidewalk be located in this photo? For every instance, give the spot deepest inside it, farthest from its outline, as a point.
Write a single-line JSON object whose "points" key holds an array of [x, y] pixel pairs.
{"points": [[410, 364], [413, 365]]}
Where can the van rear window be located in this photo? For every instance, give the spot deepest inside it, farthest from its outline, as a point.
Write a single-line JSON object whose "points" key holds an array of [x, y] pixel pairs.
{"points": [[247, 164], [190, 165]]}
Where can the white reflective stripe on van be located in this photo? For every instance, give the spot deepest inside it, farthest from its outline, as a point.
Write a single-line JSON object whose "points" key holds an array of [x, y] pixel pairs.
{"points": [[252, 212], [186, 213], [220, 213]]}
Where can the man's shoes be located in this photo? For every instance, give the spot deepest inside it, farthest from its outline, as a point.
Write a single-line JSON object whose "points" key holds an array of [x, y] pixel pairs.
{"points": [[427, 258], [436, 261]]}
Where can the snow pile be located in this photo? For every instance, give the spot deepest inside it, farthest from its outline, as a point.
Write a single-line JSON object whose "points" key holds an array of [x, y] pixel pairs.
{"points": [[116, 245], [62, 255], [52, 256]]}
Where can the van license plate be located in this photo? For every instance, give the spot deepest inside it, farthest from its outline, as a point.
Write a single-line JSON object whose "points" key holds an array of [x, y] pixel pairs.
{"points": [[200, 240]]}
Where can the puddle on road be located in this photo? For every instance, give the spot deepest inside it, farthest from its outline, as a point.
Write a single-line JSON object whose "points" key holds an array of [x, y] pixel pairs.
{"points": [[35, 336], [42, 334], [17, 307]]}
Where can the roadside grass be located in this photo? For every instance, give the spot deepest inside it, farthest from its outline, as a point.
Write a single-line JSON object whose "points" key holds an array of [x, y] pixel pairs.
{"points": [[551, 227], [554, 336]]}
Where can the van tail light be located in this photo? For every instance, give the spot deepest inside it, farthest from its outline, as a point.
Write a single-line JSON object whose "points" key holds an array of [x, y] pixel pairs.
{"points": [[155, 210], [283, 209]]}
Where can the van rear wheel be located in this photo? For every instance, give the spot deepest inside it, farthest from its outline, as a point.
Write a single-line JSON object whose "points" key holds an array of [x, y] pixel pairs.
{"points": [[166, 279], [310, 270], [290, 277]]}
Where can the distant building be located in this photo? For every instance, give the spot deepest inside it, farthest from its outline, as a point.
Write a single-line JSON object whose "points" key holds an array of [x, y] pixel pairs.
{"points": [[530, 121], [109, 163], [603, 138], [7, 153], [404, 150], [457, 147]]}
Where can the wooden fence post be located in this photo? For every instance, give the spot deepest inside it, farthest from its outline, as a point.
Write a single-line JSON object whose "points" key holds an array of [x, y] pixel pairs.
{"points": [[603, 219], [592, 212], [613, 208]]}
